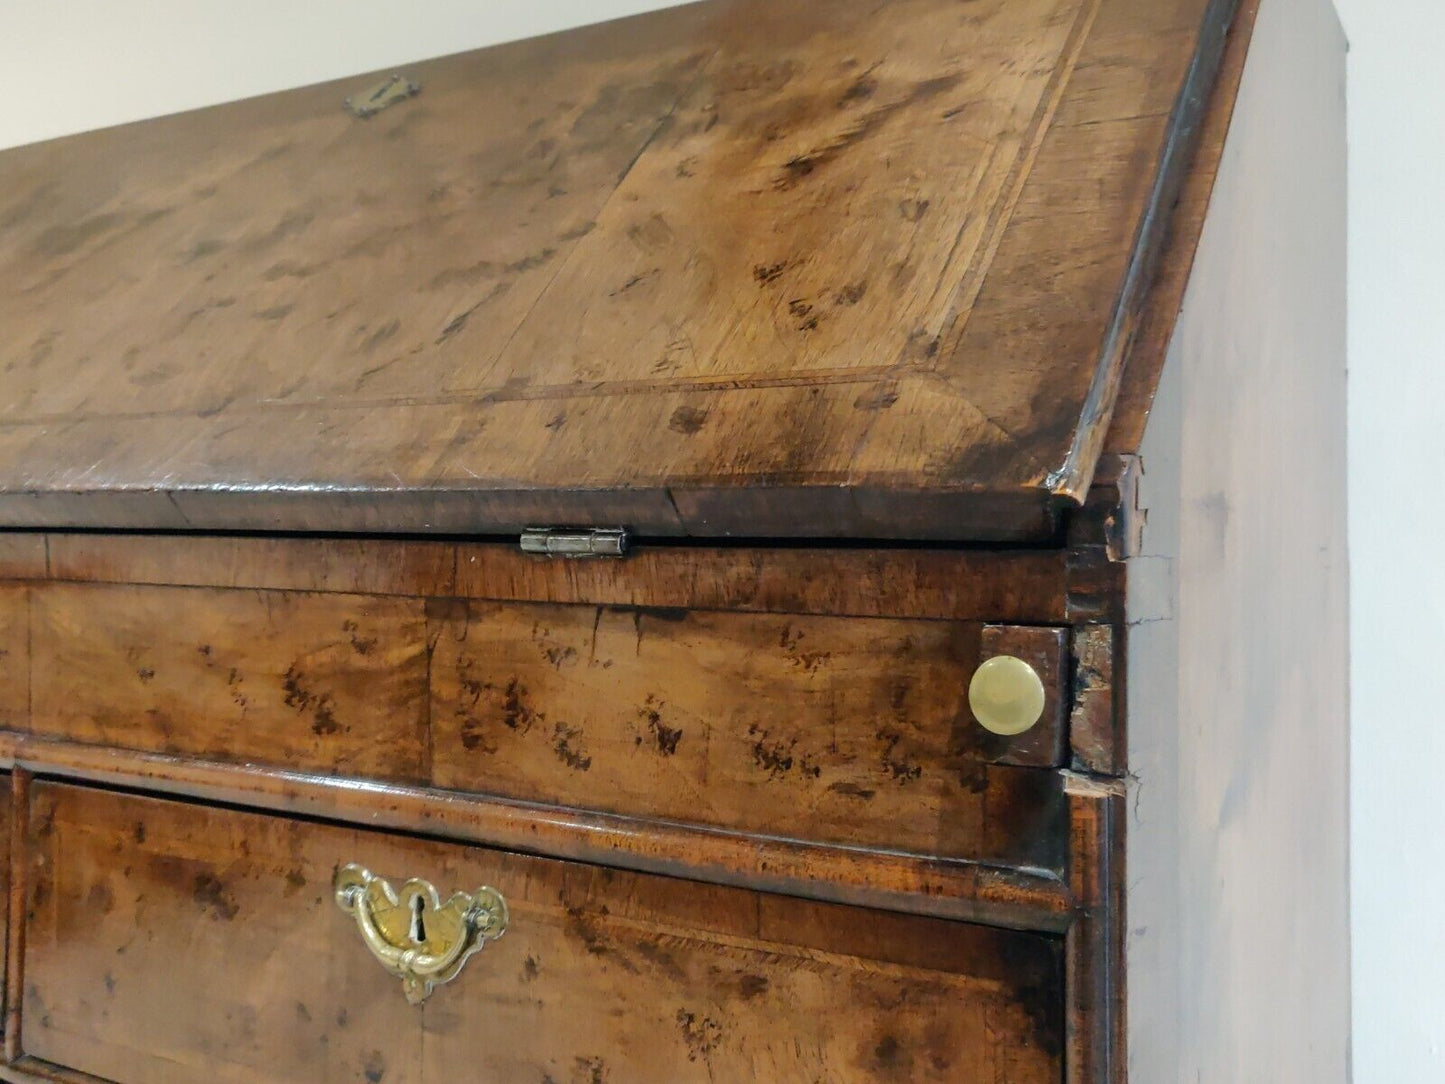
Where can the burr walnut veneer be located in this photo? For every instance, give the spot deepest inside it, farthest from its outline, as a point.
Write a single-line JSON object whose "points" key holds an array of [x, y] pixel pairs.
{"points": [[947, 399]]}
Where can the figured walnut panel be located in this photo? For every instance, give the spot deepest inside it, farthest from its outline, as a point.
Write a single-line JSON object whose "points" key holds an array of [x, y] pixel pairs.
{"points": [[346, 565], [335, 683], [840, 730], [833, 730], [742, 268], [14, 655], [172, 943]]}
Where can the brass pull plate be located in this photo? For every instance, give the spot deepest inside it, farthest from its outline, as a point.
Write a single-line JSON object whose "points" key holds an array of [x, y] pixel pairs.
{"points": [[412, 933]]}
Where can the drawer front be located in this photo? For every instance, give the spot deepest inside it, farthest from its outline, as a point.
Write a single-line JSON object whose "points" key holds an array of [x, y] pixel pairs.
{"points": [[325, 681], [174, 943], [840, 729], [844, 730], [14, 649]]}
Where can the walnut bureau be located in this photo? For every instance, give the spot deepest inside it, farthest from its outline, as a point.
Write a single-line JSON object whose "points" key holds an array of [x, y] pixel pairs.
{"points": [[763, 541]]}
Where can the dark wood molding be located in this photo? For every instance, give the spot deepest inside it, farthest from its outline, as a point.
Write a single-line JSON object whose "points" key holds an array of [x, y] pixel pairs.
{"points": [[1018, 898]]}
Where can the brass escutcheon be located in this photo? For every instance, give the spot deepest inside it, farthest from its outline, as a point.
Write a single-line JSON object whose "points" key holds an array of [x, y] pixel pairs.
{"points": [[412, 933]]}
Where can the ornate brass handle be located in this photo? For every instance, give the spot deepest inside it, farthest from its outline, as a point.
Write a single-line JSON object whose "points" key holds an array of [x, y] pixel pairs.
{"points": [[412, 933]]}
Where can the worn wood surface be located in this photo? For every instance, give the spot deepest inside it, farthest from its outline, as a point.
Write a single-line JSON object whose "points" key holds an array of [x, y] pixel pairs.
{"points": [[1048, 651], [14, 655], [849, 731], [7, 826], [838, 730], [1096, 725], [1238, 641], [1027, 897], [1147, 353], [22, 555], [1095, 1015], [27, 1070], [17, 804], [1025, 586], [175, 943], [332, 682], [736, 268]]}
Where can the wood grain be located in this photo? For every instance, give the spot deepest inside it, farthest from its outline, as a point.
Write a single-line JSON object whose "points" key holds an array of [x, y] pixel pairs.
{"points": [[17, 804], [1031, 898], [1095, 1015], [847, 731], [22, 555], [1004, 586], [26, 1070], [14, 656], [1096, 725], [1048, 652], [1186, 225], [742, 268], [331, 682], [834, 730], [7, 834], [140, 905]]}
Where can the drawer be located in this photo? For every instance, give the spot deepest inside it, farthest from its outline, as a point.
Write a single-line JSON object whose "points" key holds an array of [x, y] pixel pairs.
{"points": [[840, 730], [172, 943], [330, 682]]}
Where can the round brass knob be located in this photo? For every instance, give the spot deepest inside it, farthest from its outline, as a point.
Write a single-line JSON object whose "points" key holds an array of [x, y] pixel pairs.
{"points": [[1006, 695]]}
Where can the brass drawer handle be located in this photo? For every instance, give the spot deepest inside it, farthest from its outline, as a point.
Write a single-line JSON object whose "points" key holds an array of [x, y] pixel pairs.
{"points": [[412, 933], [1006, 696]]}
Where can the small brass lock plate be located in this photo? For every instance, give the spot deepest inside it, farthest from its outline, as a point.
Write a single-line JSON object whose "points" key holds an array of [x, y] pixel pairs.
{"points": [[415, 934], [386, 93]]}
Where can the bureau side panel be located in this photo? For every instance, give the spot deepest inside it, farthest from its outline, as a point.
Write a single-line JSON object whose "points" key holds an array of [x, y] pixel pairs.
{"points": [[1238, 951]]}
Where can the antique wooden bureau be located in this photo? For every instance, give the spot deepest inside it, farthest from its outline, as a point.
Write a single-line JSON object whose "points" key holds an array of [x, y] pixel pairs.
{"points": [[790, 542]]}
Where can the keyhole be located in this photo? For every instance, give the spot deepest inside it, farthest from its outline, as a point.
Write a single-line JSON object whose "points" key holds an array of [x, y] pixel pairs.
{"points": [[418, 926]]}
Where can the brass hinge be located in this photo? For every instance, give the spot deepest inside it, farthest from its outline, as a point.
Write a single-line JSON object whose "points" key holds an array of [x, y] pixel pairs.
{"points": [[575, 541], [386, 93]]}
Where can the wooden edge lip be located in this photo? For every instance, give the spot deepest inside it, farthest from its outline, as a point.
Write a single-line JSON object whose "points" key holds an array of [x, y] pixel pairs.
{"points": [[1024, 586], [1148, 352], [19, 786], [1016, 898], [1071, 481], [1081, 785], [821, 511], [27, 1070], [1093, 945]]}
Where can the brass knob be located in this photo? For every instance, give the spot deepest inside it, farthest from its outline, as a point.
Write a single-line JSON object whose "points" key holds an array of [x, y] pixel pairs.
{"points": [[412, 933], [1006, 695]]}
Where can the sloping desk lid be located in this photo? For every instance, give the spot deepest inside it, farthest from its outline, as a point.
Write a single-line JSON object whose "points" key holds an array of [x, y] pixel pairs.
{"points": [[744, 267]]}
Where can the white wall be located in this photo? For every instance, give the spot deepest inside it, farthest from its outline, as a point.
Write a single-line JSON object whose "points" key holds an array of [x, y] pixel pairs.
{"points": [[76, 64], [1397, 459], [71, 65]]}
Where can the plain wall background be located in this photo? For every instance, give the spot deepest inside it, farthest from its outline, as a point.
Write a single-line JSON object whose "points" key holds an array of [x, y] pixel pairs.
{"points": [[1397, 588], [76, 64]]}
